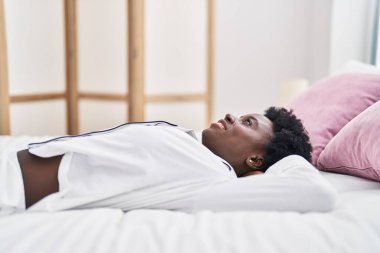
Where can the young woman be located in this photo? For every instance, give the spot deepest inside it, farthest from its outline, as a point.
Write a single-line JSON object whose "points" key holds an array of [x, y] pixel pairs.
{"points": [[254, 162]]}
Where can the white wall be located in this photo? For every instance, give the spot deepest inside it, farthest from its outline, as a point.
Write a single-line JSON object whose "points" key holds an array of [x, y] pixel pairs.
{"points": [[351, 31], [262, 43], [319, 33], [258, 45]]}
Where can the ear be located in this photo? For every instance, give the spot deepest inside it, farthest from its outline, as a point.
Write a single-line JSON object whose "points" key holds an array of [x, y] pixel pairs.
{"points": [[254, 162]]}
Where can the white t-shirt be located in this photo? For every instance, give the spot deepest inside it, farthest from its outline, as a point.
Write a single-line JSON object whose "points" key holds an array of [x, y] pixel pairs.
{"points": [[158, 165]]}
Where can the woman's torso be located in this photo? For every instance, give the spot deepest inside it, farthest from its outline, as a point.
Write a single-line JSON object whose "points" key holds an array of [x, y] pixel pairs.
{"points": [[40, 176]]}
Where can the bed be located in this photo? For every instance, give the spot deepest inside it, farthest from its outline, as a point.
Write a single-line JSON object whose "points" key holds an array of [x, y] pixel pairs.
{"points": [[353, 226], [345, 141]]}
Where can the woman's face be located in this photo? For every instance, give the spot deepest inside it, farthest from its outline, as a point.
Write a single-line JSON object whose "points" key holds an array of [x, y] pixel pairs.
{"points": [[237, 139]]}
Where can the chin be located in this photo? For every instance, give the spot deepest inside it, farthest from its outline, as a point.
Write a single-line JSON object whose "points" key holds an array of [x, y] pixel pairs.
{"points": [[205, 136], [207, 140]]}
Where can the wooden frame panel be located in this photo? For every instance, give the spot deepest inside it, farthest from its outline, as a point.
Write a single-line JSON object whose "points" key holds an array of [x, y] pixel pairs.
{"points": [[103, 96], [72, 103], [136, 97], [210, 60], [175, 98], [136, 60], [4, 92], [36, 97]]}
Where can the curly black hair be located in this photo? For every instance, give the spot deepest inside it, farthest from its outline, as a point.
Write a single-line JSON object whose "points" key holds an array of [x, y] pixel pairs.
{"points": [[290, 137]]}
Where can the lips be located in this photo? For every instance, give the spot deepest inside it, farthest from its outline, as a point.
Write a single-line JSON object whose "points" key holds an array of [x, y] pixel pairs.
{"points": [[222, 123]]}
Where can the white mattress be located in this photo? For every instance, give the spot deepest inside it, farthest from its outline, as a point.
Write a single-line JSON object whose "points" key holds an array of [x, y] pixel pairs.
{"points": [[353, 226]]}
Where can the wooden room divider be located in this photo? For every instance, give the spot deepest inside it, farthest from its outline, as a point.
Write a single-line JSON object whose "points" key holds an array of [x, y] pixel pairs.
{"points": [[136, 99]]}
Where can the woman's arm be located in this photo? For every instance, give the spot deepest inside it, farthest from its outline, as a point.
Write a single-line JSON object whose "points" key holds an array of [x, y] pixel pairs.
{"points": [[292, 184]]}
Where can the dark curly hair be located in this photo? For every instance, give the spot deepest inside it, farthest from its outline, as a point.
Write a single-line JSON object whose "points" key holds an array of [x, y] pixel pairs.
{"points": [[290, 137]]}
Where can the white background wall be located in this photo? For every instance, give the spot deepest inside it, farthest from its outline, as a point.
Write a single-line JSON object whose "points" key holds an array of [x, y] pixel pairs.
{"points": [[351, 31], [258, 45], [262, 43]]}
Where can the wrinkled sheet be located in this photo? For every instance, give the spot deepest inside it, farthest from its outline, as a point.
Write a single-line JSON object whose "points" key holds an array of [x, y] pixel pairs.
{"points": [[353, 226]]}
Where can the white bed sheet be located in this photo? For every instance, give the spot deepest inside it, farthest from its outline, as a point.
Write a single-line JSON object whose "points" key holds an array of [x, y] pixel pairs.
{"points": [[353, 226]]}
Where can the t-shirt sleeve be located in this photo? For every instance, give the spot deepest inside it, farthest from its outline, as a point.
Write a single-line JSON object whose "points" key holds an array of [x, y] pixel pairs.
{"points": [[292, 184]]}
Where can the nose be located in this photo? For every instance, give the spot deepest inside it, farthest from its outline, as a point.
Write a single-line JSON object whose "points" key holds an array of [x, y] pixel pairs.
{"points": [[230, 118]]}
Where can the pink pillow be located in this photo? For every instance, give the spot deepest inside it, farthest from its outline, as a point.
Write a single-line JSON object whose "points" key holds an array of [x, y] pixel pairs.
{"points": [[331, 103], [355, 150]]}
